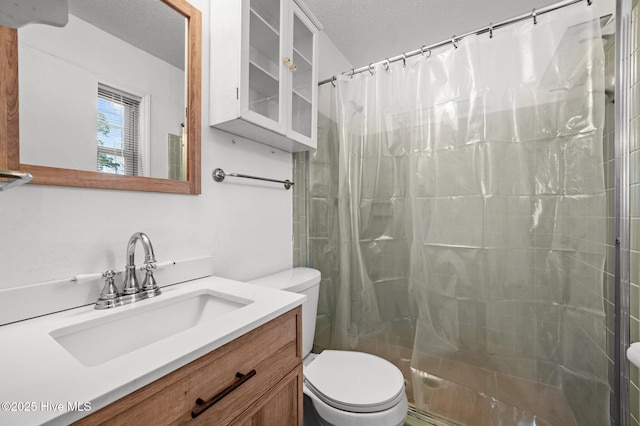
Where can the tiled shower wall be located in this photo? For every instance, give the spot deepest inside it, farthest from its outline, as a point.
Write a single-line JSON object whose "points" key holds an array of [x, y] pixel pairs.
{"points": [[634, 202], [320, 238], [300, 209]]}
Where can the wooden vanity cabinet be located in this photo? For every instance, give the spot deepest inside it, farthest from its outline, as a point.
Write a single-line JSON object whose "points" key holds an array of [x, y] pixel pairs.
{"points": [[266, 363]]}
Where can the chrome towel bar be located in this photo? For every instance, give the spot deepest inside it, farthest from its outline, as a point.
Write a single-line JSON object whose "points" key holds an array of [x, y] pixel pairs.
{"points": [[219, 175], [19, 178]]}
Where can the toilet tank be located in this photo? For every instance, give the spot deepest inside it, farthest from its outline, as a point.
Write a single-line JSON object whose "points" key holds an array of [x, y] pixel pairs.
{"points": [[304, 281]]}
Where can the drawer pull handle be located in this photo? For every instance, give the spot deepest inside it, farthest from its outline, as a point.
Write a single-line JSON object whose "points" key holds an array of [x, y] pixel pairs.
{"points": [[205, 405]]}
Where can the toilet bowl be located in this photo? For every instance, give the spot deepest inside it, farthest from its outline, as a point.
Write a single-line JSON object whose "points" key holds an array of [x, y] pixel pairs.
{"points": [[344, 388]]}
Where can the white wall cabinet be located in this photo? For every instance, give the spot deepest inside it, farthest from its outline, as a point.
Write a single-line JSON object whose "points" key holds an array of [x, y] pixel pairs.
{"points": [[264, 74]]}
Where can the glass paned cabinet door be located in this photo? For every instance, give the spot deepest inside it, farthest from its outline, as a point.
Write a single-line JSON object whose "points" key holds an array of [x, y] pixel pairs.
{"points": [[264, 58], [302, 96]]}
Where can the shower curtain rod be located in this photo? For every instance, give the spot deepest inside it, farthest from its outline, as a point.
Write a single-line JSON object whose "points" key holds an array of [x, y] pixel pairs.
{"points": [[455, 39]]}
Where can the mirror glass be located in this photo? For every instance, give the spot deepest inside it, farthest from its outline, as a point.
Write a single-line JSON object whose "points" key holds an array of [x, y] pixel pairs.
{"points": [[107, 92]]}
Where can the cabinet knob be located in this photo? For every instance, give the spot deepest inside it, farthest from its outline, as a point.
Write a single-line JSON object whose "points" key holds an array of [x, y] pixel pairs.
{"points": [[285, 61], [293, 67]]}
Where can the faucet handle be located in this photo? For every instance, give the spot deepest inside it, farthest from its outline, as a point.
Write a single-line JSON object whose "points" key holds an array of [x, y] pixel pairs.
{"points": [[156, 265], [109, 297], [150, 285]]}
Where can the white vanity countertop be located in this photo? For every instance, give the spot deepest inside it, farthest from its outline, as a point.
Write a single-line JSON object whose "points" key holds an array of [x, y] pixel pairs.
{"points": [[41, 383]]}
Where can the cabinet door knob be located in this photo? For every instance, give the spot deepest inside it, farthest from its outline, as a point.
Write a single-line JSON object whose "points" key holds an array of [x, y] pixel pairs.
{"points": [[293, 67], [285, 61]]}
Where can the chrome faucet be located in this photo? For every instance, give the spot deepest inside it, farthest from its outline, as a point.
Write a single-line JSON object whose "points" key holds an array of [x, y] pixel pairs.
{"points": [[131, 290], [149, 285]]}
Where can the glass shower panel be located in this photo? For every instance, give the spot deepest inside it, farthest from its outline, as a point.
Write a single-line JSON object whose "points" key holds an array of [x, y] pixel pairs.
{"points": [[302, 78], [264, 54]]}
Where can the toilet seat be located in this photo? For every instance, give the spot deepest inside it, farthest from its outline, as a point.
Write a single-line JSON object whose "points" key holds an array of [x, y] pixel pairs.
{"points": [[355, 382]]}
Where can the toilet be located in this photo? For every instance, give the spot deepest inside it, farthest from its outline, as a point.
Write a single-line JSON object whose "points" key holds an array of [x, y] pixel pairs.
{"points": [[341, 388]]}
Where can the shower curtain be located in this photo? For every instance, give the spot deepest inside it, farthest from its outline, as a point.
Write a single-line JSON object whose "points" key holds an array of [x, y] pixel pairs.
{"points": [[457, 215]]}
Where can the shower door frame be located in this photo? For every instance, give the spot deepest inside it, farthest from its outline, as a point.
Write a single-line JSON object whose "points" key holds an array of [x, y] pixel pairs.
{"points": [[619, 403]]}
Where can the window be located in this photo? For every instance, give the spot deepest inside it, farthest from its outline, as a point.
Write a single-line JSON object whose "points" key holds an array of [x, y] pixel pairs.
{"points": [[118, 132]]}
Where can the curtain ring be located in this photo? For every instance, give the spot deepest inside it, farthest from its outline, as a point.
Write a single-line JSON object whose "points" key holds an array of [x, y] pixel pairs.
{"points": [[589, 2], [333, 79], [387, 62], [454, 42], [404, 59], [534, 16], [490, 29], [353, 72], [371, 68]]}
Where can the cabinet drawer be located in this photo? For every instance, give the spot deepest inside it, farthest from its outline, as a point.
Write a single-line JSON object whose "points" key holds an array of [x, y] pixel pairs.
{"points": [[272, 350], [281, 406]]}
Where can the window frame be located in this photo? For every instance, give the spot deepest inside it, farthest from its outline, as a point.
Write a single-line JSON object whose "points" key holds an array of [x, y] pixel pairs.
{"points": [[144, 123]]}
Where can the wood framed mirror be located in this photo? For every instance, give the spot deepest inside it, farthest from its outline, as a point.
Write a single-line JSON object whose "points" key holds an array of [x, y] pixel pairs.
{"points": [[185, 181]]}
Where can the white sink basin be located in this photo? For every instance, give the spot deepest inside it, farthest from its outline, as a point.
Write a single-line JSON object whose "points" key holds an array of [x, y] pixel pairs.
{"points": [[138, 325]]}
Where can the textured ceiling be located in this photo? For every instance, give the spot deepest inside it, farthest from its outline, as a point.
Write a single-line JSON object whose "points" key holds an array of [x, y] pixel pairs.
{"points": [[149, 25], [370, 30]]}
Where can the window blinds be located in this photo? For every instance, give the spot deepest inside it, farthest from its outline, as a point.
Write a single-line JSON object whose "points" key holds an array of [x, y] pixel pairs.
{"points": [[118, 132]]}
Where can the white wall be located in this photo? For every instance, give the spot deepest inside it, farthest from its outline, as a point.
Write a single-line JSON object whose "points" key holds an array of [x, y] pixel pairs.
{"points": [[63, 67], [50, 233], [331, 60]]}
